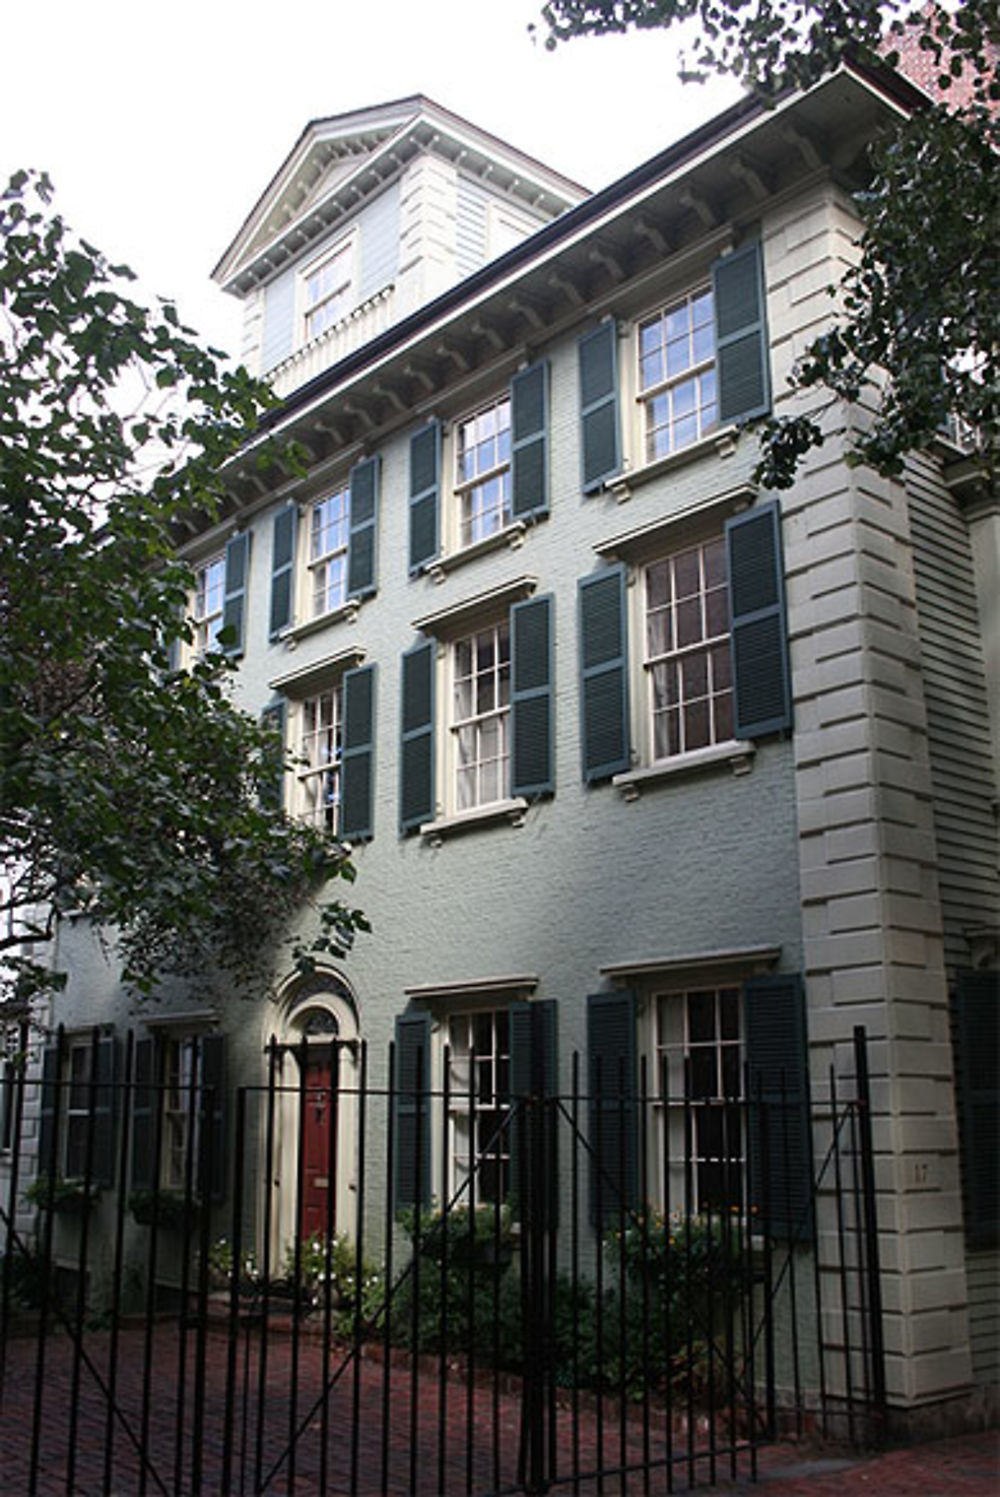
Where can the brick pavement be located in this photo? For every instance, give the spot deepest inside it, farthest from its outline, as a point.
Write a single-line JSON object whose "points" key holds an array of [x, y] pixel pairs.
{"points": [[386, 1428]]}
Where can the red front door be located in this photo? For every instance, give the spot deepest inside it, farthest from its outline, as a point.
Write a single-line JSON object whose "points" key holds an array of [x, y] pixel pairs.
{"points": [[317, 1176]]}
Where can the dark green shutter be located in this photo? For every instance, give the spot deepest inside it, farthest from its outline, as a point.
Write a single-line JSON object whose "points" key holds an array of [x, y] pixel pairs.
{"points": [[611, 1086], [425, 478], [234, 606], [144, 1116], [412, 1167], [741, 351], [283, 568], [604, 675], [780, 1135], [762, 691], [358, 754], [274, 796], [976, 1019], [534, 1084], [105, 1111], [361, 569], [598, 363], [531, 697], [49, 1111], [212, 1050], [416, 784], [529, 404]]}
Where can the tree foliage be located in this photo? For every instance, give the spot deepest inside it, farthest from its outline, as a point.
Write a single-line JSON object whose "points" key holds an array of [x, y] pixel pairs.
{"points": [[131, 792], [917, 332]]}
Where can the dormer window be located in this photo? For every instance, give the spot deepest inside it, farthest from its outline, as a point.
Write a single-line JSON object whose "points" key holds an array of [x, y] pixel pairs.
{"points": [[327, 286]]}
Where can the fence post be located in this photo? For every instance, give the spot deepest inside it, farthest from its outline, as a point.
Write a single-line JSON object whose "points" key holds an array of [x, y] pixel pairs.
{"points": [[872, 1265]]}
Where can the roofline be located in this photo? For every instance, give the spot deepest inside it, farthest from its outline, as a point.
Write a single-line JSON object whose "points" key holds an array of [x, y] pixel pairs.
{"points": [[414, 103], [897, 90]]}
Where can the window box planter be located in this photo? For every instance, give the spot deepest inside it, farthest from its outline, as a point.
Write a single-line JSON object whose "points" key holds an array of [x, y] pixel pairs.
{"points": [[170, 1209], [67, 1197]]}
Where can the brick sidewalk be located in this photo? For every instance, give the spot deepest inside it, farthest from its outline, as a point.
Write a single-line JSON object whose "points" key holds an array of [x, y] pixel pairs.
{"points": [[965, 1466], [385, 1428]]}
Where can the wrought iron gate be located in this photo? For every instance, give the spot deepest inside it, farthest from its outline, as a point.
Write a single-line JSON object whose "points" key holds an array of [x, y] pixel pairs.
{"points": [[577, 1310]]}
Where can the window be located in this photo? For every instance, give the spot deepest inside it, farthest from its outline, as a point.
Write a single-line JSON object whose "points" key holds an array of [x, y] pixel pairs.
{"points": [[707, 628], [209, 598], [480, 1093], [497, 1053], [668, 1068], [180, 1106], [218, 602], [317, 578], [480, 721], [477, 713], [180, 1117], [677, 388], [319, 754], [76, 1120], [328, 540], [326, 717], [699, 1056], [701, 361], [482, 472], [687, 666], [492, 464], [327, 290]]}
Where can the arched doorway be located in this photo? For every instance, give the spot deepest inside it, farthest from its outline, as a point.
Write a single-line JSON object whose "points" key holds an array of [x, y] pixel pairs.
{"points": [[316, 1157]]}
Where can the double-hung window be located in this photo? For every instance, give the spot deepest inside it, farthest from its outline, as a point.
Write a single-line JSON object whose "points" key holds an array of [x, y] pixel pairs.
{"points": [[320, 749], [677, 384], [482, 472], [462, 1078], [704, 634], [326, 290], [480, 721], [325, 715], [209, 598], [323, 576], [687, 665], [328, 539], [478, 711], [481, 475], [699, 1054], [180, 1108], [180, 1111], [217, 603], [77, 1108], [698, 362], [480, 1103]]}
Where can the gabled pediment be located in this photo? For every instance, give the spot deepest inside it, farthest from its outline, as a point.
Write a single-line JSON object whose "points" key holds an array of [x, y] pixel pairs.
{"points": [[340, 162]]}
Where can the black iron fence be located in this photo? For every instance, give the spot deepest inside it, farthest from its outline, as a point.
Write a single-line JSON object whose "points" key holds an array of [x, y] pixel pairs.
{"points": [[325, 1285]]}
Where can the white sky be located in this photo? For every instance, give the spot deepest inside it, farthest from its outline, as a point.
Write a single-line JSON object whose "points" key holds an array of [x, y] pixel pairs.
{"points": [[161, 125]]}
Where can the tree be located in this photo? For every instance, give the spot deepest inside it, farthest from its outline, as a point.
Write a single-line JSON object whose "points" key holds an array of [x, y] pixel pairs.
{"points": [[917, 334], [131, 792]]}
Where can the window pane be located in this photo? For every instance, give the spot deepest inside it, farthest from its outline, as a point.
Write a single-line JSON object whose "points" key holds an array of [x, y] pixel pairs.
{"points": [[701, 1016]]}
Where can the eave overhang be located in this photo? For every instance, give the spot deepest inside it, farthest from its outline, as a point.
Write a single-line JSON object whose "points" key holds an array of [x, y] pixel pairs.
{"points": [[697, 194]]}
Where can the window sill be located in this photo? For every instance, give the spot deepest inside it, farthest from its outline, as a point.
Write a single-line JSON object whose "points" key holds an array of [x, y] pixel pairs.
{"points": [[511, 537], [722, 442], [511, 811], [739, 755], [346, 613]]}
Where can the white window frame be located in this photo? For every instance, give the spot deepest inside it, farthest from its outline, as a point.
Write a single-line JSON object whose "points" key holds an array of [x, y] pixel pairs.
{"points": [[469, 723], [329, 532], [675, 376], [482, 485], [678, 1043], [477, 1138], [76, 1106], [316, 726], [208, 602], [180, 1110], [672, 654], [332, 303]]}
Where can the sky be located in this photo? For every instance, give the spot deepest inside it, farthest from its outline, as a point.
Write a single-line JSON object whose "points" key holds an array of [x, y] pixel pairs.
{"points": [[160, 126]]}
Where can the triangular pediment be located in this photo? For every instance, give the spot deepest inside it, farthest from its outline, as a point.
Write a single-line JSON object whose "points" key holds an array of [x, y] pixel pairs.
{"points": [[339, 162]]}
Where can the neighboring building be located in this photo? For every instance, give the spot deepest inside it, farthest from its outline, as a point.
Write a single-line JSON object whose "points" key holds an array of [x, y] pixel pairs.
{"points": [[690, 767]]}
